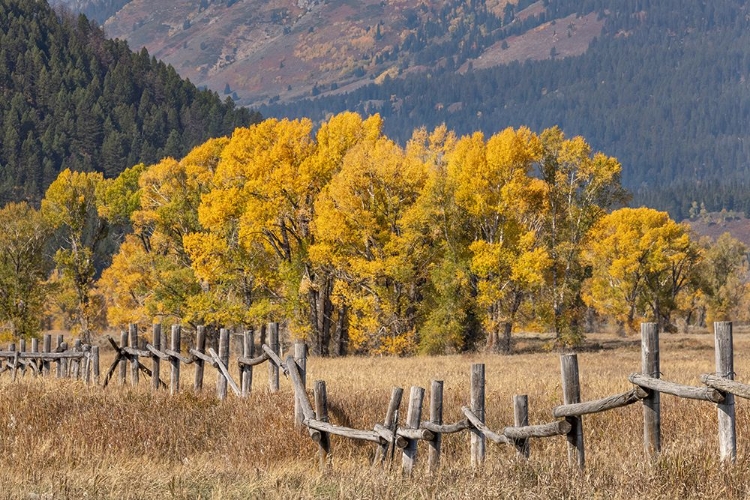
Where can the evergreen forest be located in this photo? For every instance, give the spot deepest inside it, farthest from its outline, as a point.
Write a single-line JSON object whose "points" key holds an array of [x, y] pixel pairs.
{"points": [[664, 89], [72, 99]]}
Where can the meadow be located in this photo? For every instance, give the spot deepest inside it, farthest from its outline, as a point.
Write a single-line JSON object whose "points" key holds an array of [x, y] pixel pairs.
{"points": [[62, 439]]}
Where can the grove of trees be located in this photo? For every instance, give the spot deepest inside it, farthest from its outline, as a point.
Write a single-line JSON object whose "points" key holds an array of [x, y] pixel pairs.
{"points": [[360, 245]]}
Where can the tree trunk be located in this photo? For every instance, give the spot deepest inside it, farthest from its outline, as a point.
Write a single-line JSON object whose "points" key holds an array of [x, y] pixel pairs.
{"points": [[342, 335], [507, 329]]}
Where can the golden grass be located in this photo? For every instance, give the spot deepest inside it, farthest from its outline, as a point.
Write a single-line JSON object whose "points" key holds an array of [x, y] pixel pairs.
{"points": [[60, 439]]}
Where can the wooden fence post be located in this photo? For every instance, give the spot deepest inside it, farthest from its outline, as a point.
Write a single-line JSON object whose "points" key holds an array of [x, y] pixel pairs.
{"points": [[436, 417], [59, 362], [155, 361], [521, 419], [46, 347], [75, 363], [123, 363], [221, 381], [12, 348], [725, 369], [572, 394], [95, 363], [478, 440], [273, 370], [413, 419], [35, 350], [22, 348], [321, 413], [652, 403], [200, 346], [390, 422], [174, 385], [133, 329], [300, 357], [248, 351]]}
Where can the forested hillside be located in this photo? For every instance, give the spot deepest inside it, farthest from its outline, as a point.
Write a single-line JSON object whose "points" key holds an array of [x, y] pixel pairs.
{"points": [[664, 89], [71, 99]]}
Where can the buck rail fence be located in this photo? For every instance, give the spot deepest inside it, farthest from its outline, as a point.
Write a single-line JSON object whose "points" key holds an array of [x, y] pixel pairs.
{"points": [[390, 435]]}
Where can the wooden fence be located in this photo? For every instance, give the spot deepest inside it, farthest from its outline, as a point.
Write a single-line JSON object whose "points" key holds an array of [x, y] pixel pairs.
{"points": [[389, 435]]}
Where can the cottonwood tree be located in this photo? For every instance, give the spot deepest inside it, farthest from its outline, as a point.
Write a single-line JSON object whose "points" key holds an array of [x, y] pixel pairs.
{"points": [[23, 270], [581, 187], [642, 261], [70, 207]]}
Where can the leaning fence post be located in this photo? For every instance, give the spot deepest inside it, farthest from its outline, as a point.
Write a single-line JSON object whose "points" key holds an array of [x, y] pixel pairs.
{"points": [[572, 394], [389, 423], [174, 385], [725, 369], [47, 347], [123, 363], [436, 417], [521, 419], [321, 413], [200, 346], [413, 419], [478, 440], [300, 357], [221, 381], [652, 403], [95, 363], [273, 370], [248, 351], [155, 361]]}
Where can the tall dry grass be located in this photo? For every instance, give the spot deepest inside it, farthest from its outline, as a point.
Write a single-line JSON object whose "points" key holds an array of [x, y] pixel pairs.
{"points": [[60, 439]]}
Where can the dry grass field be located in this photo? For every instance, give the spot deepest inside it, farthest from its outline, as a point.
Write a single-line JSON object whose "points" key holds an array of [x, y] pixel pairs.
{"points": [[61, 439]]}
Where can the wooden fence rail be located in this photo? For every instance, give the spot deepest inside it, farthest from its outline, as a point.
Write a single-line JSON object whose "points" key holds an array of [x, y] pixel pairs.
{"points": [[389, 435]]}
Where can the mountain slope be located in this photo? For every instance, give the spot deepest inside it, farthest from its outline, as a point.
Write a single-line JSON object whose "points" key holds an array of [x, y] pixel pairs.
{"points": [[70, 98]]}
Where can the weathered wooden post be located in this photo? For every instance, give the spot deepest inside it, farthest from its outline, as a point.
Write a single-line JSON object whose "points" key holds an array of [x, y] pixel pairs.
{"points": [[75, 363], [22, 348], [725, 369], [200, 346], [59, 362], [155, 360], [478, 440], [12, 348], [413, 419], [248, 351], [35, 350], [300, 357], [436, 417], [65, 363], [133, 330], [652, 403], [123, 363], [95, 363], [521, 419], [390, 422], [47, 348], [321, 413], [174, 385], [221, 381], [273, 370], [572, 394]]}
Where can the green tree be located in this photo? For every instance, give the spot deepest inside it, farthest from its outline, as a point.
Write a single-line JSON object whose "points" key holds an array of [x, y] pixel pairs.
{"points": [[23, 269], [70, 207]]}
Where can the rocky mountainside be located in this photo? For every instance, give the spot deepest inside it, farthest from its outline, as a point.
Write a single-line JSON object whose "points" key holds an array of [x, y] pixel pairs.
{"points": [[282, 50]]}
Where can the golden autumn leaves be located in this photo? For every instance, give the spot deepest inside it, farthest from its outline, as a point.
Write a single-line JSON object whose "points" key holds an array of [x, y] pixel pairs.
{"points": [[362, 245], [356, 241]]}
